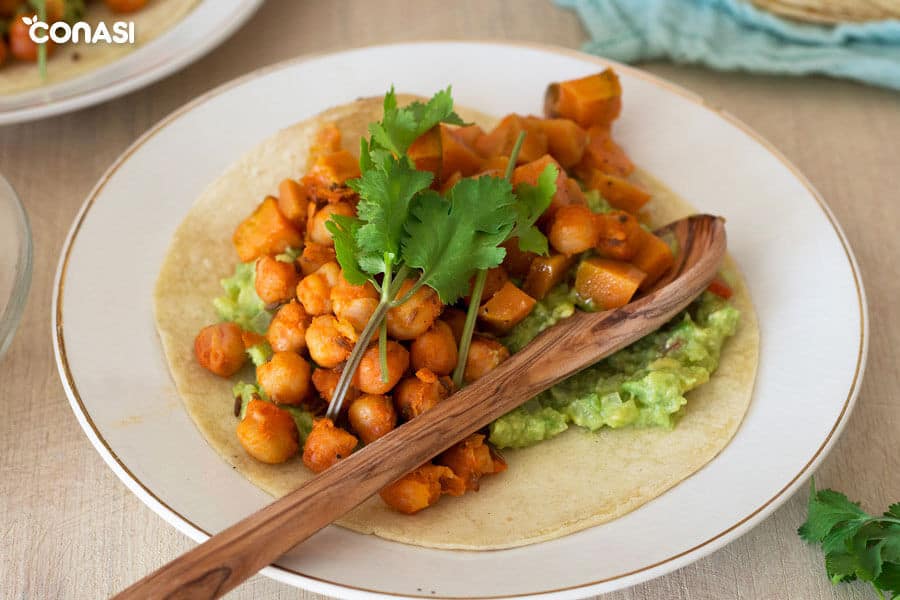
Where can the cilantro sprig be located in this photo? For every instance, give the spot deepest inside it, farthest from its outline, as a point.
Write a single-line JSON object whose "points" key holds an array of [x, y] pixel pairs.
{"points": [[856, 544], [404, 229], [531, 202]]}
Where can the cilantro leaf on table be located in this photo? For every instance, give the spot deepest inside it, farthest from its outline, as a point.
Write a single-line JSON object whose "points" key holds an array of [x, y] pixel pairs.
{"points": [[531, 202], [856, 545], [400, 127], [450, 239]]}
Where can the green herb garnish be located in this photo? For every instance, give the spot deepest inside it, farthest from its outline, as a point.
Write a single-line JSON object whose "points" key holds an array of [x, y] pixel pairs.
{"points": [[856, 545]]}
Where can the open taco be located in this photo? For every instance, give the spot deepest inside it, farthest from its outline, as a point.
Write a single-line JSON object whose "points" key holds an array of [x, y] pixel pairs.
{"points": [[587, 451], [20, 57]]}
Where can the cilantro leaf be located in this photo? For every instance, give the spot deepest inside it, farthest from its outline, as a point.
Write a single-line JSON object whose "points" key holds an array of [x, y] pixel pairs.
{"points": [[343, 230], [452, 239], [840, 566], [889, 580], [385, 194], [532, 201], [400, 127], [826, 509], [891, 549], [893, 511]]}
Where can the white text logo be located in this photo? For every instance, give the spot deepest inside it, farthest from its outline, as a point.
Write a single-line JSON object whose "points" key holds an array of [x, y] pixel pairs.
{"points": [[121, 32]]}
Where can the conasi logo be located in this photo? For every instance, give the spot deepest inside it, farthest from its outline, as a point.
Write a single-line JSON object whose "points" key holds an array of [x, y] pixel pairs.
{"points": [[121, 32]]}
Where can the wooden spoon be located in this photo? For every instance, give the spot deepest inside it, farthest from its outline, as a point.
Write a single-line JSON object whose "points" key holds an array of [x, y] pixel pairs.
{"points": [[228, 558]]}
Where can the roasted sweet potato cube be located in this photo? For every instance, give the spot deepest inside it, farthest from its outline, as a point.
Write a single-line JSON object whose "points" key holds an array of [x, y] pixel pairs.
{"points": [[457, 155], [619, 192], [326, 445], [450, 181], [529, 173], [621, 235], [470, 460], [469, 134], [266, 231], [576, 194], [494, 280], [516, 261], [566, 140], [603, 154], [334, 168], [545, 273], [505, 308], [500, 141], [653, 258], [605, 284], [495, 166], [425, 152], [592, 100]]}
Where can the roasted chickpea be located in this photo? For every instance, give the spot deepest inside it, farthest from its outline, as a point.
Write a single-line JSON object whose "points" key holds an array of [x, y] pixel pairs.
{"points": [[435, 350], [574, 229], [415, 395], [421, 488], [314, 290], [316, 230], [220, 349], [330, 340], [287, 331], [413, 318], [293, 202], [276, 281], [456, 319], [371, 416], [368, 376], [355, 303], [314, 256], [285, 378], [327, 444], [484, 356], [268, 433]]}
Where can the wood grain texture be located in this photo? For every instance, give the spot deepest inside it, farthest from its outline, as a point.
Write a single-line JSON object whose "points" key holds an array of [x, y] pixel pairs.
{"points": [[228, 558], [72, 530]]}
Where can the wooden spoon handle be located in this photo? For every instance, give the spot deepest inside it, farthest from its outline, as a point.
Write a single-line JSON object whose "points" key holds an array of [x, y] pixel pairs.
{"points": [[222, 562]]}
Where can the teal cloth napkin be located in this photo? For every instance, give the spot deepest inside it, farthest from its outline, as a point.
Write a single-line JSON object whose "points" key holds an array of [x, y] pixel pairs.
{"points": [[732, 35]]}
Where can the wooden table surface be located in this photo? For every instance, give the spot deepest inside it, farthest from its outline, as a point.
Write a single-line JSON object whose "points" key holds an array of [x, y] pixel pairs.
{"points": [[70, 528]]}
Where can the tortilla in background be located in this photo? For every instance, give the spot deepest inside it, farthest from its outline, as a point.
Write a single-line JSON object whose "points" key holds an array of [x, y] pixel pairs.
{"points": [[574, 481]]}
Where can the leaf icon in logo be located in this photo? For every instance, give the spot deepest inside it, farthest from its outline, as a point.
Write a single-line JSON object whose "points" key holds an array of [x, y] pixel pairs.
{"points": [[29, 20]]}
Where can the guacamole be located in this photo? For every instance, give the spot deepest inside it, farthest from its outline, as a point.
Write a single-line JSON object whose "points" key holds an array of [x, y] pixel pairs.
{"points": [[240, 303], [642, 385]]}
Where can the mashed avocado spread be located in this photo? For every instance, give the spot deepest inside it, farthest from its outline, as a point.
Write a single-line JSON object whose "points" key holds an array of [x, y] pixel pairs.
{"points": [[642, 385]]}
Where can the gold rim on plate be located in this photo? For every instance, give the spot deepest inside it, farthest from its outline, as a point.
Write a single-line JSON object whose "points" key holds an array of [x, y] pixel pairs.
{"points": [[86, 420]]}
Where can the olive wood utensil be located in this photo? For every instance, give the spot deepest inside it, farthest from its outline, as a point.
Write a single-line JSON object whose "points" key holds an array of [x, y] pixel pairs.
{"points": [[228, 558]]}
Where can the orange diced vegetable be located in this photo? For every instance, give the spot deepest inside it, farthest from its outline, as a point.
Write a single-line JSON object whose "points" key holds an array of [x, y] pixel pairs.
{"points": [[621, 235], [293, 201], [326, 445], [566, 140], [250, 338], [576, 195], [425, 152], [619, 192], [469, 134], [457, 154], [334, 168], [606, 284], [545, 273], [506, 308], [604, 154], [495, 166], [266, 231], [449, 182], [494, 280], [574, 229], [326, 141], [471, 459], [516, 262], [500, 141], [529, 173], [421, 488], [592, 100], [314, 256], [654, 258], [720, 288]]}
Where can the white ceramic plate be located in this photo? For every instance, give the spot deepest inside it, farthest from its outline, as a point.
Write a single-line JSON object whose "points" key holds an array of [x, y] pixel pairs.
{"points": [[801, 273], [209, 24]]}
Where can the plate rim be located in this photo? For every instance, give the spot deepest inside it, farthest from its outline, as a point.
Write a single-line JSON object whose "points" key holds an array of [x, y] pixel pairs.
{"points": [[316, 584], [223, 30]]}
